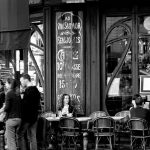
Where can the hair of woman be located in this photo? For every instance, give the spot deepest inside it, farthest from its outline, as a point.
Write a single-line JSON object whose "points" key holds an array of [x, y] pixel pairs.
{"points": [[62, 100], [14, 85]]}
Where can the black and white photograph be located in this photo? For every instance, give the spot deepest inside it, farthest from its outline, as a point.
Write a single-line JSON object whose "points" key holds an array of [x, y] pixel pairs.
{"points": [[74, 75]]}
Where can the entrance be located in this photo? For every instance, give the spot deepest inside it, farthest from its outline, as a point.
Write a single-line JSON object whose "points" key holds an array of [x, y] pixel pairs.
{"points": [[127, 59]]}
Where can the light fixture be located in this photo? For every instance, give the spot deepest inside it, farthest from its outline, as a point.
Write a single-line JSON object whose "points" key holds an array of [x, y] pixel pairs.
{"points": [[146, 23]]}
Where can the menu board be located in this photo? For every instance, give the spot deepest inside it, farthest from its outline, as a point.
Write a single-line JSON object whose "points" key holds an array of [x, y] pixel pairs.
{"points": [[69, 58]]}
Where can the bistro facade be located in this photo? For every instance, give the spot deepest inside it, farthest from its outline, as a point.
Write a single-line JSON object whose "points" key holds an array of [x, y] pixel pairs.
{"points": [[97, 51]]}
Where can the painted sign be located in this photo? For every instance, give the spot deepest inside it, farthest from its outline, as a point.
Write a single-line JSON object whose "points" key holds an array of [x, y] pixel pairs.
{"points": [[69, 58]]}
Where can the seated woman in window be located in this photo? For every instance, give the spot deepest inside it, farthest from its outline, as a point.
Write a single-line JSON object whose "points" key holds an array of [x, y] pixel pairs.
{"points": [[66, 109]]}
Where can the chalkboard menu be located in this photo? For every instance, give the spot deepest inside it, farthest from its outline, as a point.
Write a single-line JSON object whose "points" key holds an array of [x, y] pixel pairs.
{"points": [[69, 58]]}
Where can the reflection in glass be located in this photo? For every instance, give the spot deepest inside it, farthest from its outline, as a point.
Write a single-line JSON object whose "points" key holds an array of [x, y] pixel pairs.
{"points": [[144, 46], [37, 47], [7, 64], [118, 66]]}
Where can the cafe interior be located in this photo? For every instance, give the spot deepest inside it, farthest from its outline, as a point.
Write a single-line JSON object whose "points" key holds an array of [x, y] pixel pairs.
{"points": [[95, 51]]}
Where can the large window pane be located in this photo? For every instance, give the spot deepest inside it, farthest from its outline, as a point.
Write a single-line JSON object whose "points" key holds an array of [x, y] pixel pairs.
{"points": [[144, 47], [37, 48], [118, 64]]}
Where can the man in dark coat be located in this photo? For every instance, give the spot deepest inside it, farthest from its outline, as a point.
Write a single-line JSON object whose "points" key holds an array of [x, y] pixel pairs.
{"points": [[139, 111], [2, 93], [30, 105]]}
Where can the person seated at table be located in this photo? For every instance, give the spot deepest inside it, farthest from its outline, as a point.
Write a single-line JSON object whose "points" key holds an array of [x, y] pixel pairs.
{"points": [[66, 109], [139, 111], [133, 104]]}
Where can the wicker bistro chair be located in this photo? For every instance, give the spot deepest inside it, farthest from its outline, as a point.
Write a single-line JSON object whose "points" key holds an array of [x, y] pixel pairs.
{"points": [[121, 126], [139, 132], [70, 132], [123, 113], [93, 116], [103, 127], [89, 131]]}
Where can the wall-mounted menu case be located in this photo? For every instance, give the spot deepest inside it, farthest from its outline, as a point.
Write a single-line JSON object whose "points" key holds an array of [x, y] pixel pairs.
{"points": [[69, 57]]}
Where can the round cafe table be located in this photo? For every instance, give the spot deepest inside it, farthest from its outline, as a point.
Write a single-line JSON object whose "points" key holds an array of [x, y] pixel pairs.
{"points": [[117, 118], [80, 119], [51, 119]]}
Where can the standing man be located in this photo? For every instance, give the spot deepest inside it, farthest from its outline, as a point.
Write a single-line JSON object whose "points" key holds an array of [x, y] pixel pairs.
{"points": [[30, 106]]}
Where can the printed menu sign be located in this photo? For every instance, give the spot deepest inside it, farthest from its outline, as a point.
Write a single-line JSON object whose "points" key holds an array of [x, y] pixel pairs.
{"points": [[69, 58]]}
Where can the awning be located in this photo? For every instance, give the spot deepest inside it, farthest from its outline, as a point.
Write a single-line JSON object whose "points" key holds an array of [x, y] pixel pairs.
{"points": [[14, 24]]}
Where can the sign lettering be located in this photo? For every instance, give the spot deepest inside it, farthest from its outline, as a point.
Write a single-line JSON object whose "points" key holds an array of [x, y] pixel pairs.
{"points": [[69, 58]]}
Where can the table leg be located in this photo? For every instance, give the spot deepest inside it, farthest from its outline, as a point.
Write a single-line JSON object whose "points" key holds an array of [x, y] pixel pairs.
{"points": [[53, 143], [85, 140]]}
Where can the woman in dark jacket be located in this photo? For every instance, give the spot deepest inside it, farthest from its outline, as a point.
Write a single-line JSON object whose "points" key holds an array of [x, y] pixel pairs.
{"points": [[66, 109], [12, 109]]}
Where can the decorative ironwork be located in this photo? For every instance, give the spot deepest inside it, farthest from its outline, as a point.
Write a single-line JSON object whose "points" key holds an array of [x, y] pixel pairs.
{"points": [[118, 38]]}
